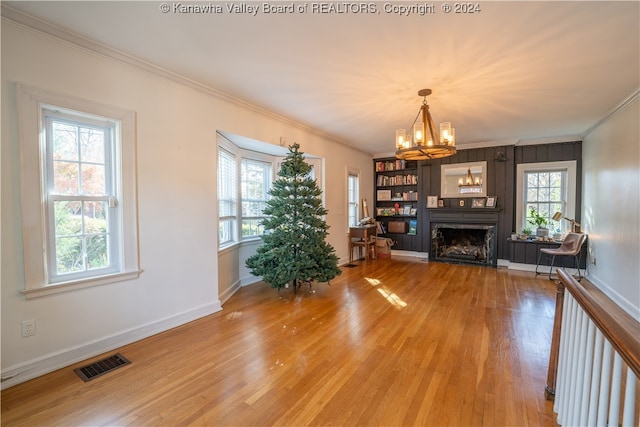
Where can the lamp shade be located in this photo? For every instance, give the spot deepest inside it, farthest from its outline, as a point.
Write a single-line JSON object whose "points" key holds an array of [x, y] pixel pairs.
{"points": [[418, 133], [426, 143], [401, 137]]}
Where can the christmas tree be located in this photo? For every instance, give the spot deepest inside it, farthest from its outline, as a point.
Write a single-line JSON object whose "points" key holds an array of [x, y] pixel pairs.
{"points": [[294, 250]]}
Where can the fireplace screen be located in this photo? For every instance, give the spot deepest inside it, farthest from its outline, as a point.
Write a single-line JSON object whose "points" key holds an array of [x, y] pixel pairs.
{"points": [[463, 243]]}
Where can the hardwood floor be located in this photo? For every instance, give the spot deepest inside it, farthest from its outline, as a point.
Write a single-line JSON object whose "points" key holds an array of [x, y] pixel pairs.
{"points": [[392, 342]]}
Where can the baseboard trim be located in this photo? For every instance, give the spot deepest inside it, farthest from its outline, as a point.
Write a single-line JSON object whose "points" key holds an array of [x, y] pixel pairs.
{"points": [[229, 292], [622, 302], [17, 374], [250, 280], [412, 254]]}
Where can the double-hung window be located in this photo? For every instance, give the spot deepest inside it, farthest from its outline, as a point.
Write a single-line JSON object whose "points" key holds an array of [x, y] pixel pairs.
{"points": [[545, 193], [81, 198], [547, 188], [255, 184], [78, 193], [227, 196], [352, 195]]}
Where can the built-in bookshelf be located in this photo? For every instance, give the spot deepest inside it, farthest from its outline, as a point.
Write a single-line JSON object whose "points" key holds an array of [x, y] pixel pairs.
{"points": [[396, 201]]}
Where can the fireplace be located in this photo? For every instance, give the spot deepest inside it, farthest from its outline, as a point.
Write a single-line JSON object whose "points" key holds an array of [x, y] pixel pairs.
{"points": [[464, 236], [463, 243]]}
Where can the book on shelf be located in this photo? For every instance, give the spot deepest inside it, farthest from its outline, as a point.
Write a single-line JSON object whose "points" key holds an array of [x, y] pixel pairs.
{"points": [[413, 227], [410, 195], [388, 181], [390, 165]]}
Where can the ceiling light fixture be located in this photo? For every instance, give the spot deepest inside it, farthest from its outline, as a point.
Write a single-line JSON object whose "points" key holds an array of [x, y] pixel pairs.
{"points": [[425, 145], [470, 184]]}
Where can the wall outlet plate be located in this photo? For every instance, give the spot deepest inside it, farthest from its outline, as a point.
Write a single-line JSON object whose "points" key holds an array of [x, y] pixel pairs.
{"points": [[28, 328]]}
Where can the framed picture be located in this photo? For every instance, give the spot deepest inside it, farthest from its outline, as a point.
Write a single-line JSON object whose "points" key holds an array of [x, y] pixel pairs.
{"points": [[413, 212], [383, 195], [406, 210], [491, 201], [478, 203], [432, 201]]}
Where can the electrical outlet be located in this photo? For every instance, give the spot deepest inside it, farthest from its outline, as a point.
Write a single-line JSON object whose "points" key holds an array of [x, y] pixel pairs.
{"points": [[28, 327]]}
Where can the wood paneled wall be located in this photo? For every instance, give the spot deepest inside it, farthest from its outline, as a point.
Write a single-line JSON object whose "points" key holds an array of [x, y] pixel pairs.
{"points": [[501, 180]]}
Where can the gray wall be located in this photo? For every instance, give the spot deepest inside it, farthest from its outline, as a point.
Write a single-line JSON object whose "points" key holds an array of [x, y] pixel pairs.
{"points": [[501, 180]]}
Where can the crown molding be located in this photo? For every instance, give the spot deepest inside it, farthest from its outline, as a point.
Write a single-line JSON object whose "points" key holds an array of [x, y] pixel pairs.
{"points": [[58, 33], [633, 96], [550, 140]]}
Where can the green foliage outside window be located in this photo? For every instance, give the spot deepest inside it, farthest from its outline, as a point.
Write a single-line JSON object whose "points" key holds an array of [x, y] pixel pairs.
{"points": [[78, 234]]}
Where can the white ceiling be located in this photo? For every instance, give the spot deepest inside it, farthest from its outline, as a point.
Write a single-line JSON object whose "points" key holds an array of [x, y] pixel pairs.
{"points": [[513, 71]]}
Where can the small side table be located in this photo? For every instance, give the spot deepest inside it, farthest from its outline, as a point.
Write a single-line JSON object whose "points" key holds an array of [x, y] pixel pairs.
{"points": [[363, 236]]}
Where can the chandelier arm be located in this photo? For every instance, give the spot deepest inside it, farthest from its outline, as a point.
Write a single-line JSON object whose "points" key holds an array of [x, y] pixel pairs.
{"points": [[423, 151], [428, 121], [416, 119]]}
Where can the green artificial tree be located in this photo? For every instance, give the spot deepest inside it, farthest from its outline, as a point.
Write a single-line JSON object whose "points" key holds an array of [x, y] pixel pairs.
{"points": [[294, 250]]}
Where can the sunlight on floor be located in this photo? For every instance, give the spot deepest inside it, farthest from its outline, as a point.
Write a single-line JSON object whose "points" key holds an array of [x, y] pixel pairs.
{"points": [[394, 299], [372, 282]]}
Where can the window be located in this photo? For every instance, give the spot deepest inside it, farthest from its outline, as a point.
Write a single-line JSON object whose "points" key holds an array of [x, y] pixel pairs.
{"points": [[227, 195], [80, 204], [353, 185], [245, 174], [244, 181], [80, 196], [545, 192], [255, 179], [548, 188]]}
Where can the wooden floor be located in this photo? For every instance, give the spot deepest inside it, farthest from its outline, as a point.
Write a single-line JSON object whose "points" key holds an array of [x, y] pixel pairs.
{"points": [[392, 342]]}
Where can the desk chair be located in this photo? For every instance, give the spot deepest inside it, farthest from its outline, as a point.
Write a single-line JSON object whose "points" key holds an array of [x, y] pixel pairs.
{"points": [[571, 246], [362, 237]]}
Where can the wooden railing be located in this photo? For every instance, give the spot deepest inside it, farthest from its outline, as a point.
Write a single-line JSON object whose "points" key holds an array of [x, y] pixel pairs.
{"points": [[593, 340]]}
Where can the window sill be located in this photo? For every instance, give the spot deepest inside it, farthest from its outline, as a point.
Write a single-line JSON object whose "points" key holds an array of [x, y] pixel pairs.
{"points": [[80, 284], [231, 246], [228, 247]]}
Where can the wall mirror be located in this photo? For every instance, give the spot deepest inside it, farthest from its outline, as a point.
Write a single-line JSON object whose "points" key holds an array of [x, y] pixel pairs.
{"points": [[463, 180]]}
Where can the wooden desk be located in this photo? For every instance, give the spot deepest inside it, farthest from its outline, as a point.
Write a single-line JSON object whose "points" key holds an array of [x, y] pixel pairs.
{"points": [[363, 236], [526, 252]]}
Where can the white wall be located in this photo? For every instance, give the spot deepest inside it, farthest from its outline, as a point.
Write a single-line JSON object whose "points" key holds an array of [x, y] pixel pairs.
{"points": [[611, 205], [176, 146]]}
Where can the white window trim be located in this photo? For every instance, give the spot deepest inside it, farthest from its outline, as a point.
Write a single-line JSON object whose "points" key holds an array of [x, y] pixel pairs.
{"points": [[259, 159], [570, 166], [30, 103], [231, 149], [242, 154], [353, 172]]}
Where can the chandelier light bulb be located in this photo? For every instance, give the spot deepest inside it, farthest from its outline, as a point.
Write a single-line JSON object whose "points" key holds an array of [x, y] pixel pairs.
{"points": [[418, 133], [401, 136], [427, 142]]}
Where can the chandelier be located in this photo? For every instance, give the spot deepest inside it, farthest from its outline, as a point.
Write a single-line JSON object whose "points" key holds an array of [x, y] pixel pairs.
{"points": [[470, 184], [469, 180], [425, 145]]}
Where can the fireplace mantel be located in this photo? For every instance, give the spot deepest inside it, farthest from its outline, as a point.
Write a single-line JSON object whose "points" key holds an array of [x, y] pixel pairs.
{"points": [[466, 215]]}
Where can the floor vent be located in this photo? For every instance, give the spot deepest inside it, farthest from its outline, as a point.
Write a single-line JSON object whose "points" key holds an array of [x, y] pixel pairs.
{"points": [[101, 367]]}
